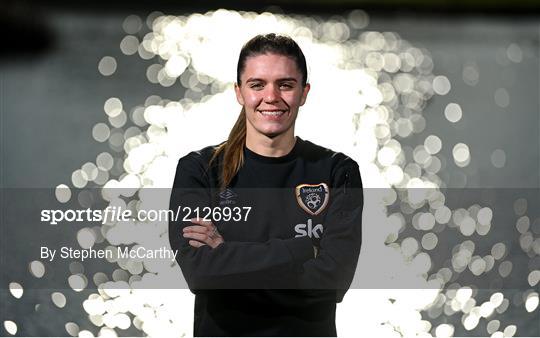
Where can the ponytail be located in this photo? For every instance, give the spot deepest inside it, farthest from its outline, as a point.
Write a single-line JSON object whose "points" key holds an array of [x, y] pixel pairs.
{"points": [[233, 151]]}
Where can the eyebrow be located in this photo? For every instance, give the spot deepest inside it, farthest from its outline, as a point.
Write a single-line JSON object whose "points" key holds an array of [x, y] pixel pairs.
{"points": [[261, 80]]}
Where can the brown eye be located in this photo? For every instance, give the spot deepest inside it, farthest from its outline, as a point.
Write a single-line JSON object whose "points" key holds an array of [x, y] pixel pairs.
{"points": [[255, 86], [286, 86]]}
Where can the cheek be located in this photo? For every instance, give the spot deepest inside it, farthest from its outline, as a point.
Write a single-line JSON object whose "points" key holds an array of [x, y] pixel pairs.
{"points": [[251, 100], [293, 99]]}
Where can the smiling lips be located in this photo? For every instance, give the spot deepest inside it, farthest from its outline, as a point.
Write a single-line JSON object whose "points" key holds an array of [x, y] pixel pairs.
{"points": [[275, 113]]}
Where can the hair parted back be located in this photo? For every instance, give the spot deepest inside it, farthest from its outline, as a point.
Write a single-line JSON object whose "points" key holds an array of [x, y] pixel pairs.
{"points": [[233, 148]]}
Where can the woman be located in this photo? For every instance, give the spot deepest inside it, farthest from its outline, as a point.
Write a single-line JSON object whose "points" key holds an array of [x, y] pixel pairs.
{"points": [[280, 268]]}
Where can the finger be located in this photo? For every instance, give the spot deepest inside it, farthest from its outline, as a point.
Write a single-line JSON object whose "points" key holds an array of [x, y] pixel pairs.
{"points": [[196, 228], [202, 222], [196, 244], [200, 237]]}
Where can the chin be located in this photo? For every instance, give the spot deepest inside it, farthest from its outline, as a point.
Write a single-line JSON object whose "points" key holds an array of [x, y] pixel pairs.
{"points": [[270, 128], [272, 135]]}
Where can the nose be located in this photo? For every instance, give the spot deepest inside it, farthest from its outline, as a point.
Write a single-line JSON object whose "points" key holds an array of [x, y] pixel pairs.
{"points": [[271, 94]]}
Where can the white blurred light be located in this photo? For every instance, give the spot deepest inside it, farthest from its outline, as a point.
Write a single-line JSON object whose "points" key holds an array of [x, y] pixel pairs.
{"points": [[72, 329], [441, 85], [531, 303], [510, 331], [461, 154], [37, 269], [453, 112], [514, 53], [498, 158], [502, 98], [16, 289], [444, 331], [86, 238], [129, 45], [58, 299], [77, 282], [10, 327], [107, 65], [433, 144], [101, 132]]}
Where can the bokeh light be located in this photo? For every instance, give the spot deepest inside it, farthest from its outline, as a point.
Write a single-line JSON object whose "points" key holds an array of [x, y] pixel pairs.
{"points": [[107, 65], [380, 118]]}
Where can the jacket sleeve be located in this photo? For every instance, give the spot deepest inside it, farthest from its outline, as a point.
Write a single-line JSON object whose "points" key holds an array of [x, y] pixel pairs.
{"points": [[231, 264], [328, 276]]}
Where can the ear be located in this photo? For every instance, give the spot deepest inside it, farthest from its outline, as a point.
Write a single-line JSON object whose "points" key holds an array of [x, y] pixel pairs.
{"points": [[304, 94], [239, 96]]}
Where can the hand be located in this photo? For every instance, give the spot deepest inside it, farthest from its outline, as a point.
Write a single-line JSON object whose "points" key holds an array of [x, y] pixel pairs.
{"points": [[205, 233]]}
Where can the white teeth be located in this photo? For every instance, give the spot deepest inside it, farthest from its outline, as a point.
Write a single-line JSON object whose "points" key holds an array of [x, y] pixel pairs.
{"points": [[272, 112]]}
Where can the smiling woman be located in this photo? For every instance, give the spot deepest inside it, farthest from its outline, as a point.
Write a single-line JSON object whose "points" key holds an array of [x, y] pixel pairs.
{"points": [[281, 271], [271, 89]]}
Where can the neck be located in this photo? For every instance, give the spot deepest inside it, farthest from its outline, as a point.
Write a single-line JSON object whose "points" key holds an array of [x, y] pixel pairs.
{"points": [[271, 147]]}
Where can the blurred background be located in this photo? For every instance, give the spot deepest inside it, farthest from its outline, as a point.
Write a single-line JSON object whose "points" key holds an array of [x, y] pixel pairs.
{"points": [[442, 95]]}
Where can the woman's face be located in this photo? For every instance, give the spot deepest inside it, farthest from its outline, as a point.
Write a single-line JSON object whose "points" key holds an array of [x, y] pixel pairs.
{"points": [[271, 92]]}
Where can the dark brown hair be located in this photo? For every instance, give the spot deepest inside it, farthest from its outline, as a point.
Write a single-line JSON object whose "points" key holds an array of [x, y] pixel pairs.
{"points": [[233, 148]]}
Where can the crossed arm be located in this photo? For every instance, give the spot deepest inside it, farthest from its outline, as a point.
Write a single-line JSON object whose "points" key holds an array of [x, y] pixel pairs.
{"points": [[210, 261]]}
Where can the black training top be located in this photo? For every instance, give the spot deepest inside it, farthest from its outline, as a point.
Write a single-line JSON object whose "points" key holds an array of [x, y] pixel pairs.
{"points": [[264, 279]]}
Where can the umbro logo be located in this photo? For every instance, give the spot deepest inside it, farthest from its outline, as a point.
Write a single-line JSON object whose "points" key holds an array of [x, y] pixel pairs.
{"points": [[227, 196]]}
